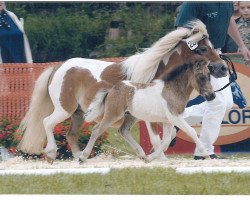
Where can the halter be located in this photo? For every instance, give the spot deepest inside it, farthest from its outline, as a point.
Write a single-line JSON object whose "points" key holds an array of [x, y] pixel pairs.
{"points": [[233, 74]]}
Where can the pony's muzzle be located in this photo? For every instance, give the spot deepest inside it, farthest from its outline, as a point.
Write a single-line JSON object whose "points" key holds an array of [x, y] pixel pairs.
{"points": [[218, 70], [210, 96]]}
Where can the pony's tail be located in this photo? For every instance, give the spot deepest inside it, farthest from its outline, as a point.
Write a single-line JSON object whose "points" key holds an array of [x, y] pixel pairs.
{"points": [[34, 135], [96, 108]]}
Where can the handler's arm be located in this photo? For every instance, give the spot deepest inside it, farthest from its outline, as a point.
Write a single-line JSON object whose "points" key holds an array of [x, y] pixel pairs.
{"points": [[235, 35]]}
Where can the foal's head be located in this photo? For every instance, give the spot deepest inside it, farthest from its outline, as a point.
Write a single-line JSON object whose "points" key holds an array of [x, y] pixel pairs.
{"points": [[201, 79], [195, 75]]}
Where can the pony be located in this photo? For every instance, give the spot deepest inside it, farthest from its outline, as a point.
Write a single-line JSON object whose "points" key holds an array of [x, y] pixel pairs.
{"points": [[163, 100], [66, 91]]}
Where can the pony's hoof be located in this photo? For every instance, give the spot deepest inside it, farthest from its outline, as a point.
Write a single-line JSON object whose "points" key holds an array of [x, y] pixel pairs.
{"points": [[82, 159], [50, 155], [50, 160]]}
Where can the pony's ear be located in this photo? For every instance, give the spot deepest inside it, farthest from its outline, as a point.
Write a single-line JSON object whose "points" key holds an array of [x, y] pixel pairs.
{"points": [[166, 78], [195, 30]]}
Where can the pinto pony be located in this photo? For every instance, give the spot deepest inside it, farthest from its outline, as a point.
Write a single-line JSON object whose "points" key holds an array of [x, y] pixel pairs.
{"points": [[163, 100], [67, 91]]}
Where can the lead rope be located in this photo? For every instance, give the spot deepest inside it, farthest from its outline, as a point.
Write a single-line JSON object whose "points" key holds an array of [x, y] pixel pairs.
{"points": [[233, 74]]}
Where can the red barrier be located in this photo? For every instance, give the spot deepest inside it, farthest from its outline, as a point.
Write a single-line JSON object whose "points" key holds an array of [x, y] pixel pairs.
{"points": [[16, 86], [17, 82]]}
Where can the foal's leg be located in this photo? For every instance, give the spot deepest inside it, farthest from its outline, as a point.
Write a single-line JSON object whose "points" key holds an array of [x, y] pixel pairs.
{"points": [[106, 122], [183, 125], [166, 139], [72, 135], [155, 139], [129, 121], [50, 122]]}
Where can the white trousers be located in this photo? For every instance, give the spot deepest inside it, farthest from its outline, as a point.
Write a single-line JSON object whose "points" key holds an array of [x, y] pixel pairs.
{"points": [[211, 114]]}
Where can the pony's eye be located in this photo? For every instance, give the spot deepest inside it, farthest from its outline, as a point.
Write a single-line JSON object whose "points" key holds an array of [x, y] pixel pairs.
{"points": [[203, 49], [202, 79], [211, 68], [200, 50]]}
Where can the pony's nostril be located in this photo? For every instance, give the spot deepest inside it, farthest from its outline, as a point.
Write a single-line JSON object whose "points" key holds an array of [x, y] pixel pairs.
{"points": [[211, 68], [210, 96], [223, 68]]}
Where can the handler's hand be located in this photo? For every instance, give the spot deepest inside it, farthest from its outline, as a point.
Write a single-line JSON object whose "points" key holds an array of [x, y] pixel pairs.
{"points": [[246, 54]]}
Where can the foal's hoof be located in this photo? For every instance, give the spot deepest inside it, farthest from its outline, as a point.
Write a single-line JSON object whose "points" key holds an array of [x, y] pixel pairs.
{"points": [[80, 161], [143, 158], [163, 158], [148, 159], [50, 156]]}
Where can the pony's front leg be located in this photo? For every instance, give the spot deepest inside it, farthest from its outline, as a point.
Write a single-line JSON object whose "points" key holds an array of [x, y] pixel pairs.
{"points": [[166, 139], [183, 125], [129, 121], [49, 123]]}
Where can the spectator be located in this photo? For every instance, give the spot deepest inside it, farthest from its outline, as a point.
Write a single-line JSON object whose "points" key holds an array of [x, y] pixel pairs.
{"points": [[244, 22], [219, 21], [14, 45], [230, 46]]}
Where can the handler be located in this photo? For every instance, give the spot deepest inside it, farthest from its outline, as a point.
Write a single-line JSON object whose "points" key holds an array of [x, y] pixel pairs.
{"points": [[14, 45], [219, 21]]}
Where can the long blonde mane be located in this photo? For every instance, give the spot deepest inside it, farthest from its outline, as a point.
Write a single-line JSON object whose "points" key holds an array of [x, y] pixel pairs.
{"points": [[142, 67]]}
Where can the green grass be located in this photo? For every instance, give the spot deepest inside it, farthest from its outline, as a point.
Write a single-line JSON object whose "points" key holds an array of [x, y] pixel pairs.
{"points": [[117, 145], [129, 181]]}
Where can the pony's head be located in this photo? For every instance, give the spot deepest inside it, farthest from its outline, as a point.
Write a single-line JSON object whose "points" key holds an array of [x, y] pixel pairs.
{"points": [[180, 46], [201, 79], [197, 44]]}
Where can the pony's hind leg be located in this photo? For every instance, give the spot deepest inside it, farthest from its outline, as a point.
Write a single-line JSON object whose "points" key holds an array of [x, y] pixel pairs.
{"points": [[50, 122], [72, 135], [166, 139], [155, 139], [129, 121], [96, 132]]}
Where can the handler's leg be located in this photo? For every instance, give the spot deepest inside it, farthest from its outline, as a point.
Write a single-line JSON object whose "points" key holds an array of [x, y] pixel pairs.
{"points": [[214, 112]]}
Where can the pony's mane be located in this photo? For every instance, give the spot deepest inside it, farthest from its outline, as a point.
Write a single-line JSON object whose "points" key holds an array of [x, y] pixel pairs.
{"points": [[180, 69], [142, 67]]}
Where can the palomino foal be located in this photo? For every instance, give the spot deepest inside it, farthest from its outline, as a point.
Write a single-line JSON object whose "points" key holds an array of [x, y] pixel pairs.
{"points": [[163, 100]]}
